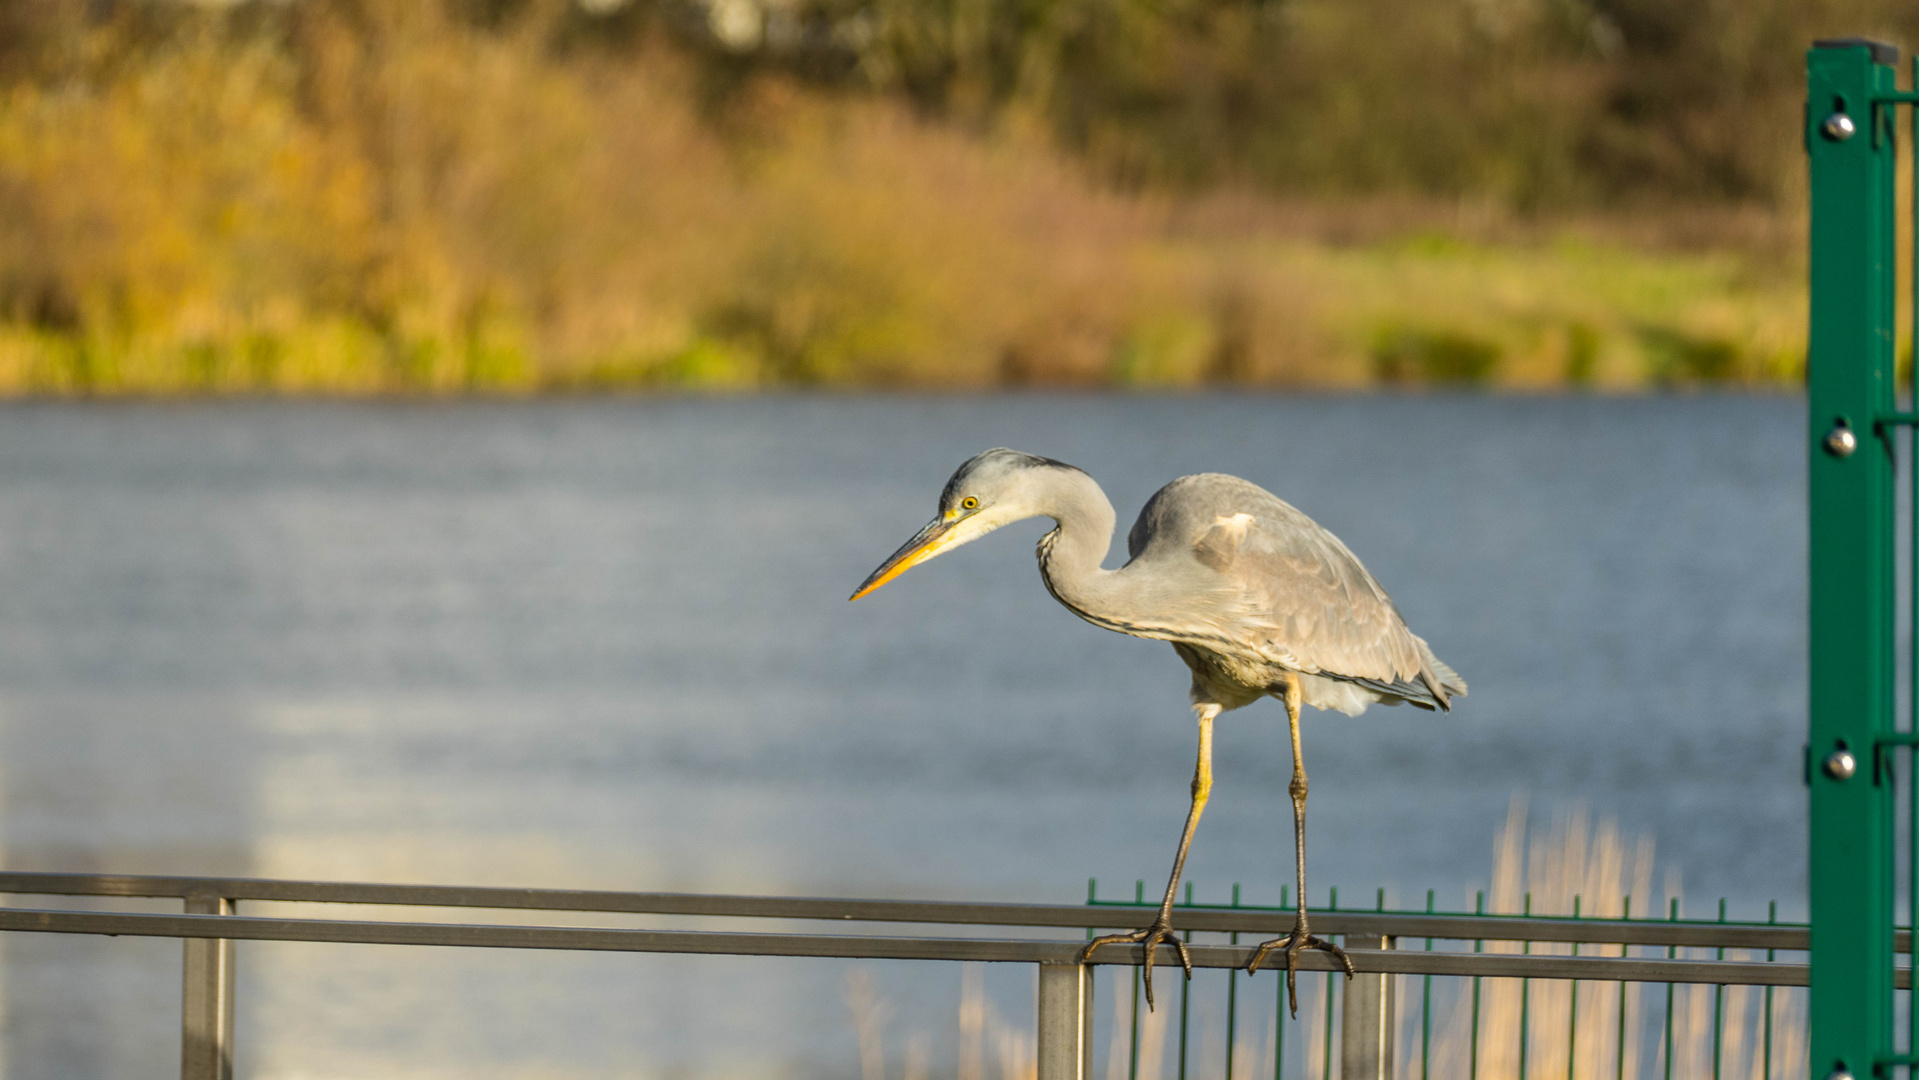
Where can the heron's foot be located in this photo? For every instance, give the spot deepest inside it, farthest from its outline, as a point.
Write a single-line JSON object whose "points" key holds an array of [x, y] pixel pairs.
{"points": [[1292, 945], [1160, 931]]}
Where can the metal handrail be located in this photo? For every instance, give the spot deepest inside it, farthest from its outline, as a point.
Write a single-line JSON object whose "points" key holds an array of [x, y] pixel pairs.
{"points": [[1197, 918], [212, 924], [878, 947]]}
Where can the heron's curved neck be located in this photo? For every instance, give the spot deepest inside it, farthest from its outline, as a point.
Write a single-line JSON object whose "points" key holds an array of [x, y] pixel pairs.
{"points": [[1070, 555]]}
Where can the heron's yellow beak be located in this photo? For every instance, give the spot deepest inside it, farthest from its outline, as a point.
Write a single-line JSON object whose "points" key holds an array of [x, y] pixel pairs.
{"points": [[924, 545]]}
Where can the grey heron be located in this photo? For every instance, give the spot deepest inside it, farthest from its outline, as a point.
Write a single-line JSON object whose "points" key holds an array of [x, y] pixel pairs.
{"points": [[1253, 595]]}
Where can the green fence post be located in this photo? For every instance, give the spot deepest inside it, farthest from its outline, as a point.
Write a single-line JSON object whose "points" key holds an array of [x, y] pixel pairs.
{"points": [[1850, 388]]}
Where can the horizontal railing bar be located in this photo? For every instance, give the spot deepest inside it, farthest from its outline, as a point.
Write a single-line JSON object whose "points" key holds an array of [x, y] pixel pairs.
{"points": [[596, 939], [1517, 928], [1200, 919]]}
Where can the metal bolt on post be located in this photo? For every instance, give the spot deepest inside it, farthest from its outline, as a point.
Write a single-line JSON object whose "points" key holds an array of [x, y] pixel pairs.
{"points": [[1840, 764]]}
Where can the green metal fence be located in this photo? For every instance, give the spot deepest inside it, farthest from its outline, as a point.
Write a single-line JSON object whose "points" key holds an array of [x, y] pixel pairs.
{"points": [[1855, 434], [1755, 1029]]}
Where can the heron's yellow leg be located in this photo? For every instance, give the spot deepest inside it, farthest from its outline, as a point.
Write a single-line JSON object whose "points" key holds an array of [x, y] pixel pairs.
{"points": [[1161, 928], [1301, 938], [1298, 791]]}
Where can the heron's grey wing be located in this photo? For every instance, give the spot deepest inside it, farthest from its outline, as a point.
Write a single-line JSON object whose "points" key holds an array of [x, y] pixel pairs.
{"points": [[1242, 571], [1307, 596], [1312, 606]]}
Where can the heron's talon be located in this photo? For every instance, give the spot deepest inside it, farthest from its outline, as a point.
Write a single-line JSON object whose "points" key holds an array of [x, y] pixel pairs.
{"points": [[1160, 932], [1292, 945]]}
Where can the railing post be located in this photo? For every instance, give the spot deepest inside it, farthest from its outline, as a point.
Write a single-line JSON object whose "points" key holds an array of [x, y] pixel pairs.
{"points": [[1849, 382], [1366, 1029], [1065, 1015], [206, 999]]}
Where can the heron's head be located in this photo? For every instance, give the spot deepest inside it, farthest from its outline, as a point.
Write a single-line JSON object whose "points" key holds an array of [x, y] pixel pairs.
{"points": [[996, 488]]}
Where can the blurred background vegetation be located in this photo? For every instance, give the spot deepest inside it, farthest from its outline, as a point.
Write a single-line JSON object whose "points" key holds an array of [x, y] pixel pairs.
{"points": [[515, 196]]}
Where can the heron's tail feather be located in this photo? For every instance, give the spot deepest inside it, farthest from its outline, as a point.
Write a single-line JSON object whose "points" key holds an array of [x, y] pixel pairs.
{"points": [[1433, 688], [1439, 677]]}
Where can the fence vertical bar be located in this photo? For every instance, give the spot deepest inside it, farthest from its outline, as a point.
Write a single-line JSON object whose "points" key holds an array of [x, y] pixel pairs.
{"points": [[1186, 986], [1279, 1012], [1472, 1051], [206, 999], [1619, 1051], [1279, 1028], [1064, 994], [1091, 1015], [1572, 1013], [1849, 387], [1232, 1013], [1132, 1058], [1765, 1070], [1232, 999], [1092, 981], [1525, 993], [1426, 1008], [1366, 1022], [1326, 1065], [1326, 1059], [1718, 1003], [1672, 951]]}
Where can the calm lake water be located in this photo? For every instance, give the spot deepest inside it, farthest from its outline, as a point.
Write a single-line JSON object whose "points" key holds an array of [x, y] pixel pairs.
{"points": [[607, 645]]}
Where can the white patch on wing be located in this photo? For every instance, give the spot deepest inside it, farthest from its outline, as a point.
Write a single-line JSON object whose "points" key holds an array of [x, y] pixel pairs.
{"points": [[1235, 525], [1218, 547]]}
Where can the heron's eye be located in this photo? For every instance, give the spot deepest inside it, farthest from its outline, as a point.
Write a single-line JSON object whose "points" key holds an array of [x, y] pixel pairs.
{"points": [[969, 503]]}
